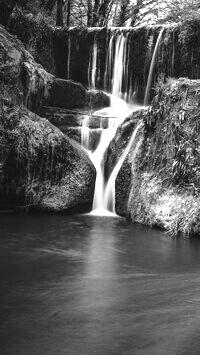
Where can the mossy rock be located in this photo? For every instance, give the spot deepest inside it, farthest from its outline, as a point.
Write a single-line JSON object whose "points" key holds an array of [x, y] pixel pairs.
{"points": [[42, 168]]}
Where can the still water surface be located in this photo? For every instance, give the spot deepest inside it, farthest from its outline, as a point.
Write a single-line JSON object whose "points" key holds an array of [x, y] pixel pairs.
{"points": [[88, 285]]}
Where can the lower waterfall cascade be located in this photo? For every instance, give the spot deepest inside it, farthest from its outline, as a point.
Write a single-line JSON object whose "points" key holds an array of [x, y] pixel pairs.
{"points": [[104, 194], [116, 81]]}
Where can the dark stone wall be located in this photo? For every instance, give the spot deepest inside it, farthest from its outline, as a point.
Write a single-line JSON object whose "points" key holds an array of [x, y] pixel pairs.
{"points": [[60, 49], [73, 48]]}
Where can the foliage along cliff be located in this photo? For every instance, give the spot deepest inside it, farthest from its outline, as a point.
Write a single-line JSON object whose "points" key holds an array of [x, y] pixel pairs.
{"points": [[165, 181]]}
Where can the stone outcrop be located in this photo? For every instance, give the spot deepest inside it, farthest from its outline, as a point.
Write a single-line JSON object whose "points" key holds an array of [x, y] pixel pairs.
{"points": [[114, 152], [69, 94], [42, 168], [39, 166], [70, 122], [166, 169]]}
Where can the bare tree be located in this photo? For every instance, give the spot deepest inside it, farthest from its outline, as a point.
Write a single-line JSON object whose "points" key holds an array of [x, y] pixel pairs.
{"points": [[89, 13], [59, 15], [68, 12], [49, 5]]}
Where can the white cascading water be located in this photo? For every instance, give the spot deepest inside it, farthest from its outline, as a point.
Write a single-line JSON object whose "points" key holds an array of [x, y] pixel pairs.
{"points": [[92, 68], [119, 67], [149, 80], [69, 56], [116, 81], [85, 133], [115, 77], [109, 67]]}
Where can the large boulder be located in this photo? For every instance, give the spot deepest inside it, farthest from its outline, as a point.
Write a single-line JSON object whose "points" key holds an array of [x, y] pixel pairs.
{"points": [[69, 94], [42, 168]]}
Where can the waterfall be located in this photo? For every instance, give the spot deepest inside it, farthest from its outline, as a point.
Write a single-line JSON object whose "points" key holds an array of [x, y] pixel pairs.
{"points": [[116, 78], [85, 133], [92, 68], [103, 56], [109, 198], [118, 83], [149, 80], [109, 61], [98, 156], [68, 58], [119, 67]]}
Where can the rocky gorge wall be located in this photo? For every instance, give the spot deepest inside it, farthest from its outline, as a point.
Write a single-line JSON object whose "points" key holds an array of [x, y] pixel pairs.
{"points": [[40, 167]]}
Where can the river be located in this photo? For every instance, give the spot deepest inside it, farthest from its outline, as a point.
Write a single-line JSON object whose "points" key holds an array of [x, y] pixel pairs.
{"points": [[89, 285]]}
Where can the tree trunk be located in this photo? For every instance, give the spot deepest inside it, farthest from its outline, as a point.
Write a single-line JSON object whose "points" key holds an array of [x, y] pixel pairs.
{"points": [[49, 5], [59, 17], [95, 15], [136, 11], [6, 8], [68, 12], [89, 13], [123, 12], [103, 12]]}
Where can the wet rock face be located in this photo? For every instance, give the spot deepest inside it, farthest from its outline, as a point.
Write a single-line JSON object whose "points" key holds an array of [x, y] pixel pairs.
{"points": [[42, 168], [114, 152], [77, 44], [69, 94], [66, 94], [39, 166], [122, 188], [119, 142], [70, 122]]}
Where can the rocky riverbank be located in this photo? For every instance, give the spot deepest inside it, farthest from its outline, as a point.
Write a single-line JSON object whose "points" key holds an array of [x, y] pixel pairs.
{"points": [[41, 168]]}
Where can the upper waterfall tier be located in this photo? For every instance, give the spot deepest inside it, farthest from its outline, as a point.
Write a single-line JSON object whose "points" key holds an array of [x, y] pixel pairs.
{"points": [[92, 54], [81, 54]]}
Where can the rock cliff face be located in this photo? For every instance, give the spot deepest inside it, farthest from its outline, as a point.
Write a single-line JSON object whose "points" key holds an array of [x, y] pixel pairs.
{"points": [[114, 152], [40, 167], [166, 169]]}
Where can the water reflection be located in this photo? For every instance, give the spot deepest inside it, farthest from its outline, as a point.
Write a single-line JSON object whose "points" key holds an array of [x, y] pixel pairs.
{"points": [[96, 285]]}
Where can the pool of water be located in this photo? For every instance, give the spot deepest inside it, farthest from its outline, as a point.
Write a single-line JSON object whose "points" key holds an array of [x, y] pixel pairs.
{"points": [[85, 285]]}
